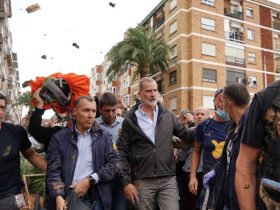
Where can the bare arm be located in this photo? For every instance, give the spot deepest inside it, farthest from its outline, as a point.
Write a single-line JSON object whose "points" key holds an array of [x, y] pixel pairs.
{"points": [[193, 185], [245, 177], [35, 159]]}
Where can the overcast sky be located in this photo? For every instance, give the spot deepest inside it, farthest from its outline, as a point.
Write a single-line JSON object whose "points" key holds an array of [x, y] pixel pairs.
{"points": [[92, 24]]}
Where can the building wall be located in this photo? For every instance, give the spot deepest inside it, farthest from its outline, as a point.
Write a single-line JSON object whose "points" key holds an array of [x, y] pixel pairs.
{"points": [[190, 89], [9, 74]]}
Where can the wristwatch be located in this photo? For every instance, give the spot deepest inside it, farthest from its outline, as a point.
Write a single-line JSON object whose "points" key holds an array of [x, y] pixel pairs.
{"points": [[91, 180]]}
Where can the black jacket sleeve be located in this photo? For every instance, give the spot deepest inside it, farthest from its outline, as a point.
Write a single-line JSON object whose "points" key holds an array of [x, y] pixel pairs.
{"points": [[40, 133]]}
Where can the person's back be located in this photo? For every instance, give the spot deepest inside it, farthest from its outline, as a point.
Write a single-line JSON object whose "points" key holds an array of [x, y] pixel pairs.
{"points": [[260, 136]]}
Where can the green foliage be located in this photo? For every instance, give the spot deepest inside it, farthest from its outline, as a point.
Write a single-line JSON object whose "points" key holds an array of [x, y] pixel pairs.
{"points": [[24, 99], [139, 49]]}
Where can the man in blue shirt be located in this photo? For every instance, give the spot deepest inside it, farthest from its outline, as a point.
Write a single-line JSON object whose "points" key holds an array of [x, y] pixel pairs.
{"points": [[82, 157], [108, 121]]}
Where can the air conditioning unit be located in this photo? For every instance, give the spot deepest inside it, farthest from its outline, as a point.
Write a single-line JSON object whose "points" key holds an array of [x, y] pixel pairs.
{"points": [[252, 81]]}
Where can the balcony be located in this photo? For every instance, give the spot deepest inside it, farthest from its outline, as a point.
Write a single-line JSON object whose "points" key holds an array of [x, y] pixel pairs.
{"points": [[126, 91], [159, 23], [276, 24], [2, 12], [234, 36], [234, 13], [116, 83], [235, 61], [98, 83]]}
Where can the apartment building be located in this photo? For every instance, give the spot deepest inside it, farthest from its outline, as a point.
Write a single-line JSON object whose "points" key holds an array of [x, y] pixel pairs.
{"points": [[215, 42], [9, 75], [119, 85]]}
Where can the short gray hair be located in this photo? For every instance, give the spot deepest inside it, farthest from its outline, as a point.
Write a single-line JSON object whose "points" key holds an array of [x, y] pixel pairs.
{"points": [[145, 79], [78, 100]]}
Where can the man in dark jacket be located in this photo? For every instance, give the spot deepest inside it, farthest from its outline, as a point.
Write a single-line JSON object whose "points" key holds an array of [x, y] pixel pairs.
{"points": [[146, 151], [82, 158], [260, 136]]}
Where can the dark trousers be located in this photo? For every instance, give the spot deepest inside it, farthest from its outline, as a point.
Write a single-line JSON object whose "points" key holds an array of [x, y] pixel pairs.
{"points": [[8, 203], [187, 199]]}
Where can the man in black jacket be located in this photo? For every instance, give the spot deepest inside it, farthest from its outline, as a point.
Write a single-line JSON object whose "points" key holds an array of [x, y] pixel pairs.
{"points": [[146, 151], [40, 133]]}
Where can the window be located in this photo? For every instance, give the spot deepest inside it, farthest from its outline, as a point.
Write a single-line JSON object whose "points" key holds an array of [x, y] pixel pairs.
{"points": [[235, 54], [173, 104], [126, 100], [250, 34], [114, 90], [208, 49], [249, 12], [208, 24], [172, 4], [209, 75], [207, 102], [173, 27], [125, 84], [236, 76], [98, 76], [251, 57], [173, 52], [208, 2], [172, 77]]}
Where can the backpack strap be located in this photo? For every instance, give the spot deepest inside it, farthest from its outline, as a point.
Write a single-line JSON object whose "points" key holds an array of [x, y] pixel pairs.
{"points": [[207, 123]]}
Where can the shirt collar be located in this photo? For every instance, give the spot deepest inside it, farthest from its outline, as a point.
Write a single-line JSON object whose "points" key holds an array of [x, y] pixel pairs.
{"points": [[118, 120], [144, 113], [79, 133]]}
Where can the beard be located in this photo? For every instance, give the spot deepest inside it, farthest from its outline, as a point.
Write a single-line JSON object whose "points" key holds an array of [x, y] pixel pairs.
{"points": [[151, 102]]}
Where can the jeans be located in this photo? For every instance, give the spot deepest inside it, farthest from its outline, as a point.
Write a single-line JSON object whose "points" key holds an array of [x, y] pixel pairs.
{"points": [[119, 202]]}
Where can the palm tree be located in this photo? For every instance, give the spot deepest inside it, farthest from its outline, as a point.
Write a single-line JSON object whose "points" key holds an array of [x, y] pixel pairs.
{"points": [[25, 100], [140, 49]]}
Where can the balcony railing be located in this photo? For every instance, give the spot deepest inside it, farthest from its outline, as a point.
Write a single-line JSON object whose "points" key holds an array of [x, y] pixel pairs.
{"points": [[276, 25], [235, 60], [234, 36], [159, 23], [234, 13]]}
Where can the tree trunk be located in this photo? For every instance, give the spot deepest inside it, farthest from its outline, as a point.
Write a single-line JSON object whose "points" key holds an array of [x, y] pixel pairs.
{"points": [[145, 71]]}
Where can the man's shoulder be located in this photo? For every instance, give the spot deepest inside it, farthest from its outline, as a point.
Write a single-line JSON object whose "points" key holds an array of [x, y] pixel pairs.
{"points": [[12, 126], [62, 131]]}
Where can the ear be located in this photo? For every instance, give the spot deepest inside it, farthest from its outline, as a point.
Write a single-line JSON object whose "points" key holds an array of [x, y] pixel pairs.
{"points": [[74, 113]]}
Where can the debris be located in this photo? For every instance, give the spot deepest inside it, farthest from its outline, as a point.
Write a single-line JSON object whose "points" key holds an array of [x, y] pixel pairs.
{"points": [[33, 8], [112, 4], [75, 45], [44, 57], [26, 83]]}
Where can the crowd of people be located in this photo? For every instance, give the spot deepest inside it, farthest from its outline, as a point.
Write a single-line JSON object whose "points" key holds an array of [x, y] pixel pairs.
{"points": [[112, 157]]}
